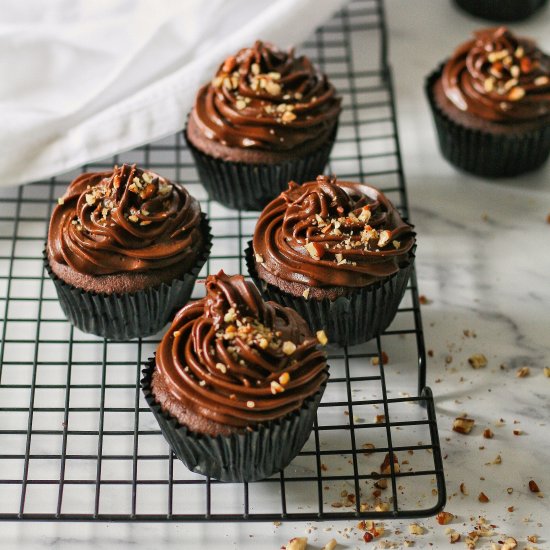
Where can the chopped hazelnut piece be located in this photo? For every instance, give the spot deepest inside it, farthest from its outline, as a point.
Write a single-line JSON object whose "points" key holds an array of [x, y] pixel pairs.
{"points": [[482, 497], [276, 387], [297, 543], [532, 538], [259, 258], [322, 337], [454, 537], [541, 80], [516, 93], [284, 378], [523, 372], [385, 237], [90, 199], [509, 544], [488, 433], [463, 489], [376, 360], [385, 467], [289, 347], [60, 200], [250, 404], [533, 487], [315, 250], [230, 316], [288, 116], [510, 490], [497, 460], [415, 529], [463, 425], [477, 361], [221, 367], [382, 507], [240, 104], [444, 518], [330, 545], [305, 294], [272, 87]]}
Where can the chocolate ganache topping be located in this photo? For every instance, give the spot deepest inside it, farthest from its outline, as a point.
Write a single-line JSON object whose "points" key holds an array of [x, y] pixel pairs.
{"points": [[237, 360], [265, 98], [499, 77], [330, 233], [127, 220]]}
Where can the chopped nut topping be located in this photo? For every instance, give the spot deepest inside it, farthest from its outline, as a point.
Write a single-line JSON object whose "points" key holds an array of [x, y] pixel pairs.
{"points": [[305, 294], [497, 460], [463, 489], [230, 316], [250, 404], [463, 425], [288, 116], [381, 507], [444, 518], [90, 199], [330, 545], [60, 200], [272, 87], [509, 544], [376, 360], [477, 361], [276, 387], [240, 104], [289, 347], [284, 378], [259, 258], [380, 419], [532, 538], [516, 94], [365, 214], [482, 497], [385, 236], [523, 372], [221, 367], [315, 250], [385, 467], [541, 80], [488, 433], [454, 537], [533, 487], [297, 543], [415, 529], [489, 84], [322, 337]]}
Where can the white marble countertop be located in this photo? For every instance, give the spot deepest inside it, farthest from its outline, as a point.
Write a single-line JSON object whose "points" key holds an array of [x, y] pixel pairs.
{"points": [[483, 261]]}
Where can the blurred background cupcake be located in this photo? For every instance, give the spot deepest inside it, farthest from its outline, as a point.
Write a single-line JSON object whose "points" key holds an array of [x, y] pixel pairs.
{"points": [[338, 253], [124, 249], [267, 117], [236, 382], [501, 10], [491, 104]]}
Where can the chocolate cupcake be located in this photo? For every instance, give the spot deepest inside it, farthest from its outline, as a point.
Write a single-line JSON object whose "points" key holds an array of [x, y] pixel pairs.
{"points": [[501, 10], [236, 383], [267, 117], [491, 104], [338, 253], [124, 249]]}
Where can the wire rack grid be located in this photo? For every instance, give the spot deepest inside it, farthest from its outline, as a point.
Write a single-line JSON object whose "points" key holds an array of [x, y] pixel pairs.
{"points": [[77, 441]]}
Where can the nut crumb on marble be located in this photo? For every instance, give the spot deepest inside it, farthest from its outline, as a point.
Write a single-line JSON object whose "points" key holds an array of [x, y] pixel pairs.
{"points": [[533, 486], [297, 543], [523, 372], [376, 360], [416, 529], [330, 545], [477, 361], [463, 425], [488, 433], [482, 497]]}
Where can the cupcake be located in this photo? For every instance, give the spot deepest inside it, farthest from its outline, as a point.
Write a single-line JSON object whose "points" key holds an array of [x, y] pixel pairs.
{"points": [[501, 10], [491, 104], [236, 383], [338, 253], [267, 117], [124, 249]]}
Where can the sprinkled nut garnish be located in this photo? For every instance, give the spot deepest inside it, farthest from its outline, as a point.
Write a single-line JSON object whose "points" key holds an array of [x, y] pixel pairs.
{"points": [[365, 214], [509, 544], [385, 236], [477, 361], [221, 367], [382, 507], [519, 52], [289, 347], [454, 537], [330, 545], [533, 487], [315, 250], [284, 379], [255, 68], [488, 433], [532, 538], [515, 71], [176, 333], [516, 93], [396, 244], [250, 404], [297, 543], [541, 80], [376, 360], [272, 87], [202, 383], [305, 294], [276, 387], [339, 258], [510, 490], [415, 529], [385, 467], [230, 316], [482, 497], [444, 518], [60, 200], [463, 489], [133, 218], [90, 199], [240, 104], [322, 337], [288, 116], [380, 419], [463, 425], [523, 372], [259, 258], [497, 460], [489, 84]]}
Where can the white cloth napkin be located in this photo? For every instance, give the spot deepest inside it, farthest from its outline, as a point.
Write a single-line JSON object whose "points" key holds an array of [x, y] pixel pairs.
{"points": [[81, 79]]}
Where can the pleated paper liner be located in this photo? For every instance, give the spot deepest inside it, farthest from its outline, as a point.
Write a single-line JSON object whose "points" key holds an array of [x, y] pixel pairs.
{"points": [[251, 186], [483, 153], [501, 10], [131, 315], [250, 456], [352, 319]]}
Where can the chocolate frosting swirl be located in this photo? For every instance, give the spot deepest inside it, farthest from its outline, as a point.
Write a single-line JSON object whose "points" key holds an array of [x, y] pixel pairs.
{"points": [[127, 220], [330, 233], [237, 360], [264, 98], [499, 77]]}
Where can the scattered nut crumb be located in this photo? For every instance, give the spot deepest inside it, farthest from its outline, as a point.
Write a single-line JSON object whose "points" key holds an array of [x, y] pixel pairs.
{"points": [[305, 294], [463, 425], [509, 544], [488, 433], [330, 545], [463, 489], [322, 337], [454, 537], [477, 361], [523, 372], [259, 258], [376, 360], [424, 300], [532, 538], [297, 543], [444, 518], [533, 487], [415, 529], [483, 497]]}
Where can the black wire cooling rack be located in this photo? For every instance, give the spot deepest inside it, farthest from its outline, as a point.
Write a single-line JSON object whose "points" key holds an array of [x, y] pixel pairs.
{"points": [[77, 441]]}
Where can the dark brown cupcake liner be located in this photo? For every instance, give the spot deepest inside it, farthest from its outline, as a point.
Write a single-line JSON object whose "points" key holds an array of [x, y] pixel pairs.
{"points": [[501, 10], [484, 153], [250, 456], [131, 315], [251, 186], [351, 319]]}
